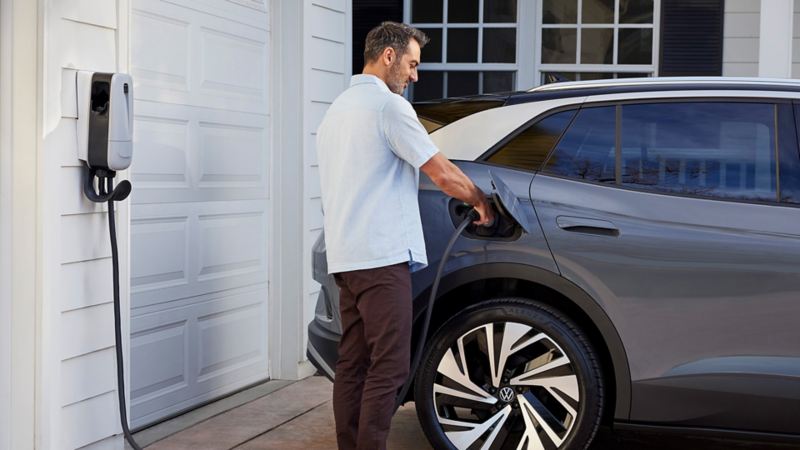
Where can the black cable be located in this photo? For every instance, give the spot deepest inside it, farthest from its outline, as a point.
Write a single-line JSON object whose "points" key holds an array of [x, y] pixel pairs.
{"points": [[471, 217], [112, 229]]}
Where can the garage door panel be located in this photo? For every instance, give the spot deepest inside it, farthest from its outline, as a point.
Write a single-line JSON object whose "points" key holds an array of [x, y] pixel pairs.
{"points": [[167, 237], [169, 67], [223, 149], [188, 154], [227, 333], [232, 66], [200, 212], [162, 146], [201, 248], [253, 13], [156, 348], [226, 342], [231, 245], [218, 62]]}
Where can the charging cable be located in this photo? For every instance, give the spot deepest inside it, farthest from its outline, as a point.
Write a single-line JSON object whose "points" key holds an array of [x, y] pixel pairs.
{"points": [[110, 194], [472, 216]]}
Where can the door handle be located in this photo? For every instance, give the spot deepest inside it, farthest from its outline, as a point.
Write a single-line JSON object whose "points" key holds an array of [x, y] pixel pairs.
{"points": [[587, 226]]}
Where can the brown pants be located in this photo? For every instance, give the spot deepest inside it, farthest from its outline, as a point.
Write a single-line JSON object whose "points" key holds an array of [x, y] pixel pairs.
{"points": [[374, 353]]}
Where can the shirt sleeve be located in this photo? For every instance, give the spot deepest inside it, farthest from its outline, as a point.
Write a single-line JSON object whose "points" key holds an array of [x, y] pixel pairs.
{"points": [[407, 138]]}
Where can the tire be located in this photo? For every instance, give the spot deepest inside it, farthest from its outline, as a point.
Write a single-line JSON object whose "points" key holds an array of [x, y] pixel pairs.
{"points": [[555, 400]]}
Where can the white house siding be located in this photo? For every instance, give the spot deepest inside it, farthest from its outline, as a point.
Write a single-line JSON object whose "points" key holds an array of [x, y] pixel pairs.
{"points": [[740, 38], [328, 50], [796, 41], [78, 382]]}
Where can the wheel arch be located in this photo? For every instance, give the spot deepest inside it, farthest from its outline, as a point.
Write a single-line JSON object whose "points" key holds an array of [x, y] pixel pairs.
{"points": [[470, 285]]}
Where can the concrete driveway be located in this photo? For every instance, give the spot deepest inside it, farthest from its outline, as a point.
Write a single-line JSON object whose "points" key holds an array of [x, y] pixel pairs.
{"points": [[299, 416]]}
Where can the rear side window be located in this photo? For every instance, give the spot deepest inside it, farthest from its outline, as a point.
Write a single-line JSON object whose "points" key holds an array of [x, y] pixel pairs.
{"points": [[586, 151], [790, 157], [528, 149], [724, 149]]}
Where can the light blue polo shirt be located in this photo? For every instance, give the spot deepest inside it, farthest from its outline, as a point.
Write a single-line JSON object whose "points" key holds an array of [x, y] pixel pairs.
{"points": [[370, 146]]}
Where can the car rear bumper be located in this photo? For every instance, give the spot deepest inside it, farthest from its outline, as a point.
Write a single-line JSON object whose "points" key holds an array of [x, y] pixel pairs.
{"points": [[322, 349]]}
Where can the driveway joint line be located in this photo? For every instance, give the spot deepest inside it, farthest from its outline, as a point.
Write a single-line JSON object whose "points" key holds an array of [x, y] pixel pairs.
{"points": [[279, 425]]}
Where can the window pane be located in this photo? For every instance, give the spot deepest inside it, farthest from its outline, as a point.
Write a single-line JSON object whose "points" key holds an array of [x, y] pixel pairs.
{"points": [[498, 82], [586, 152], [462, 11], [558, 45], [709, 149], [499, 45], [636, 46], [560, 11], [636, 11], [426, 11], [433, 51], [462, 45], [499, 11], [429, 86], [597, 46], [462, 83], [529, 149], [598, 11], [558, 77]]}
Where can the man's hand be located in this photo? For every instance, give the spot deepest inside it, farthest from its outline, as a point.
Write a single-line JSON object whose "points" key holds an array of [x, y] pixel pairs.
{"points": [[486, 211], [453, 182]]}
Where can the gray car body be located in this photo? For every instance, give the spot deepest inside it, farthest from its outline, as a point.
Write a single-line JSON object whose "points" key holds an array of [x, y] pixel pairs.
{"points": [[694, 303]]}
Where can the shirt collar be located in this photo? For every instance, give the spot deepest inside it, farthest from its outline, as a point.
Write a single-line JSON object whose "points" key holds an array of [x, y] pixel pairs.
{"points": [[368, 79]]}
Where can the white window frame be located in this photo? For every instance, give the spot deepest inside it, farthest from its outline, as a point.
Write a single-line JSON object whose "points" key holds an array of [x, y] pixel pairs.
{"points": [[529, 67], [523, 69], [652, 68]]}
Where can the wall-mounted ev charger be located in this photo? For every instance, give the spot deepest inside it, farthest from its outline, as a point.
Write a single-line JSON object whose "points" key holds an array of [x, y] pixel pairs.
{"points": [[105, 145], [105, 119]]}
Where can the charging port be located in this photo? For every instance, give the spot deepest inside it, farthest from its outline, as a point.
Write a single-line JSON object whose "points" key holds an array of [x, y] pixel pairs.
{"points": [[505, 228]]}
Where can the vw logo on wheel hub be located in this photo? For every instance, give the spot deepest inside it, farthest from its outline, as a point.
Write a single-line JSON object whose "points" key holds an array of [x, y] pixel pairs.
{"points": [[506, 394]]}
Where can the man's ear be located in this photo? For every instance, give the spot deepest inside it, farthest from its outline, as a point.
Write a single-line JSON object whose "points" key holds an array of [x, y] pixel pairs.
{"points": [[388, 56]]}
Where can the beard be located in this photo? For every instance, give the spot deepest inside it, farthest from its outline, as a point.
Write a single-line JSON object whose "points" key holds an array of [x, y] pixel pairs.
{"points": [[397, 81]]}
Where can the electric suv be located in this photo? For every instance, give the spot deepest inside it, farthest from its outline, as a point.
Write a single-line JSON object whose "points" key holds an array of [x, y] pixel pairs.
{"points": [[649, 274]]}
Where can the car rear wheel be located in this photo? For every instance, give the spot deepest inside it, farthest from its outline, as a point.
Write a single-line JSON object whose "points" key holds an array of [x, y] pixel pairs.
{"points": [[509, 374]]}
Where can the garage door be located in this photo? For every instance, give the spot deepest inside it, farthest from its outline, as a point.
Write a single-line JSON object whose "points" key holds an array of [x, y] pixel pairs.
{"points": [[200, 204]]}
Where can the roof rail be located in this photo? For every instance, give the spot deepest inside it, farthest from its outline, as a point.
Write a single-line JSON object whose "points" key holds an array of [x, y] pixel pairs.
{"points": [[718, 81]]}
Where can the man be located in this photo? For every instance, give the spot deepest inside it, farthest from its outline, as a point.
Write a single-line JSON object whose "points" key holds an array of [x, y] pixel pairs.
{"points": [[371, 147]]}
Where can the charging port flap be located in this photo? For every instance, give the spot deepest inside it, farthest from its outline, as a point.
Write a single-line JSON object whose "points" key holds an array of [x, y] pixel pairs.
{"points": [[509, 202]]}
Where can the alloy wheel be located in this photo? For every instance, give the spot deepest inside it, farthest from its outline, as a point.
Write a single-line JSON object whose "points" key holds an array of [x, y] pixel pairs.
{"points": [[506, 385]]}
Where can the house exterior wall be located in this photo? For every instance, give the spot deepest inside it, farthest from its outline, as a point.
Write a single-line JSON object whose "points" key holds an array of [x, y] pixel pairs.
{"points": [[796, 41], [327, 70], [741, 38], [57, 362], [77, 360]]}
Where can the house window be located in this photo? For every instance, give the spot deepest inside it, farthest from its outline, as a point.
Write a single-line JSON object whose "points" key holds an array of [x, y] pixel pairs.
{"points": [[594, 39], [473, 47]]}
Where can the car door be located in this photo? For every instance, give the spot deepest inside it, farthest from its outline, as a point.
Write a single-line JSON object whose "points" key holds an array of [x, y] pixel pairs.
{"points": [[669, 213]]}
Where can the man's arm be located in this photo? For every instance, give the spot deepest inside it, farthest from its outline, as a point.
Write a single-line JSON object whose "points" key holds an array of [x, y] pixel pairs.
{"points": [[453, 182]]}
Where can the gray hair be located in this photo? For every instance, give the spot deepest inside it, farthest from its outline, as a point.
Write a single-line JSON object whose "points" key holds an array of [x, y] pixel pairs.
{"points": [[394, 35]]}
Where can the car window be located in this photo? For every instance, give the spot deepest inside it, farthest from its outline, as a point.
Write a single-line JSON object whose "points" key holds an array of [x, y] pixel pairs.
{"points": [[790, 157], [715, 149], [530, 148], [586, 151]]}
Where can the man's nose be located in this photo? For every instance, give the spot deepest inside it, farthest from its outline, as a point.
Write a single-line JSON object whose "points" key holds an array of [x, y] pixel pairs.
{"points": [[414, 76]]}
